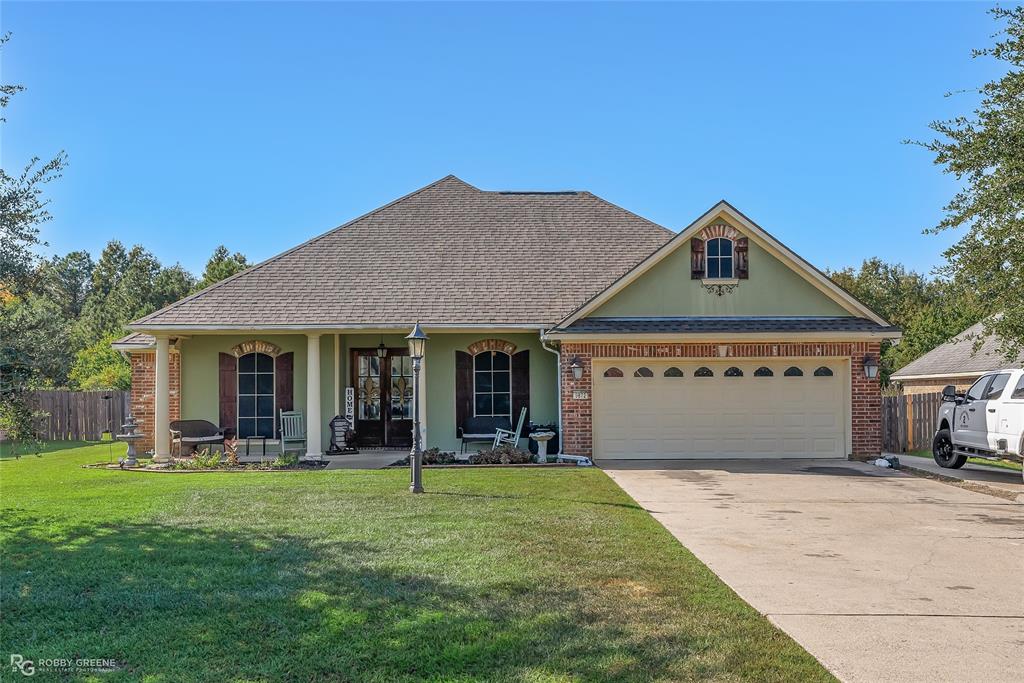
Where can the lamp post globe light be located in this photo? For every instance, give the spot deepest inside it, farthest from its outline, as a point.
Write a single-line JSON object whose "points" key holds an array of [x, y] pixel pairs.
{"points": [[417, 346]]}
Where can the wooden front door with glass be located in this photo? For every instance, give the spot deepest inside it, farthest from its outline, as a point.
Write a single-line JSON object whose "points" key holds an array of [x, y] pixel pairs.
{"points": [[383, 388]]}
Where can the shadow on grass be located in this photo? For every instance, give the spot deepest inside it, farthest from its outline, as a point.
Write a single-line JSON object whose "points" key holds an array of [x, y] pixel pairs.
{"points": [[198, 604], [12, 449]]}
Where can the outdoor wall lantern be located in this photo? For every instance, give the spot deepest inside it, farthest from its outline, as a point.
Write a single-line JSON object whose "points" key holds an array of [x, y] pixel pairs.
{"points": [[417, 346], [870, 366], [382, 351], [577, 367]]}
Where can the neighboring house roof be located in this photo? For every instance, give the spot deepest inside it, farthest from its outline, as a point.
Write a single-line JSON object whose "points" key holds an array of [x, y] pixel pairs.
{"points": [[958, 358], [706, 324], [447, 254], [814, 276]]}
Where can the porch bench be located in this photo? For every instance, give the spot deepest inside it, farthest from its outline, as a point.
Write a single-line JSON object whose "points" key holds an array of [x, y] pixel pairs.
{"points": [[195, 433], [479, 429]]}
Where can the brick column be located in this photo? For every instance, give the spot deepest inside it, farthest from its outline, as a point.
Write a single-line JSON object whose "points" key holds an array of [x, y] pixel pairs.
{"points": [[577, 402], [866, 402], [142, 397]]}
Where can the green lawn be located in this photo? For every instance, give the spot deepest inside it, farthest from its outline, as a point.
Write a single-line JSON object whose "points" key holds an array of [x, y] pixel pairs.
{"points": [[494, 574]]}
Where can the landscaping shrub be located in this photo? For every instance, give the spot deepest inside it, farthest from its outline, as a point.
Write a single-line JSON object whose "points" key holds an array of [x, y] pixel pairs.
{"points": [[435, 456], [502, 455], [287, 459]]}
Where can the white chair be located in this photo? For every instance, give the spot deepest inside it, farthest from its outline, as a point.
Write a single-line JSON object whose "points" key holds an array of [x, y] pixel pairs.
{"points": [[505, 436]]}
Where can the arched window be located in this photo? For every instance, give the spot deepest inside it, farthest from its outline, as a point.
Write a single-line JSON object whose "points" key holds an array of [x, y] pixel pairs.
{"points": [[734, 372], [793, 372], [613, 372], [763, 372], [255, 395], [823, 372], [643, 372], [492, 384], [703, 372], [673, 372], [719, 255]]}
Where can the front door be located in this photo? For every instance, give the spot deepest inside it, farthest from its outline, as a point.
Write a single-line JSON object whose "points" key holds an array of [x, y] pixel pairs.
{"points": [[383, 398]]}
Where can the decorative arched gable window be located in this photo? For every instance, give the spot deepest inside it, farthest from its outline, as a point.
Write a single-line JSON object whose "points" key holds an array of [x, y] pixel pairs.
{"points": [[720, 255], [734, 372], [492, 384], [793, 371], [673, 372], [703, 372], [763, 372], [613, 372], [823, 372], [643, 372]]}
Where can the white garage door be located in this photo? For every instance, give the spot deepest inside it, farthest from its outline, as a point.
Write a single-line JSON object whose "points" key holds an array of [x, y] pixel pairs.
{"points": [[647, 408]]}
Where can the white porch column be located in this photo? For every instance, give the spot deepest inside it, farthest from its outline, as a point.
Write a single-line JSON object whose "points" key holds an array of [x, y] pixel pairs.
{"points": [[162, 400], [314, 446]]}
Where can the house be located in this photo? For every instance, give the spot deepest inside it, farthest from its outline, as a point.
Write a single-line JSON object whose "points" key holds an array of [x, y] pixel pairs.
{"points": [[717, 341], [955, 362]]}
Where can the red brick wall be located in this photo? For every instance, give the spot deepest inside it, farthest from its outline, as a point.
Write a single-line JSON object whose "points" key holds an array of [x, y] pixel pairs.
{"points": [[866, 398], [143, 404]]}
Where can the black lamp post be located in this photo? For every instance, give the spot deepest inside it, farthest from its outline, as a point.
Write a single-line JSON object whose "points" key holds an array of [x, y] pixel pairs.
{"points": [[417, 345]]}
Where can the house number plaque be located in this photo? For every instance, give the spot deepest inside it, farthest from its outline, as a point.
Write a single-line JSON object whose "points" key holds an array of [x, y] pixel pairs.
{"points": [[580, 395]]}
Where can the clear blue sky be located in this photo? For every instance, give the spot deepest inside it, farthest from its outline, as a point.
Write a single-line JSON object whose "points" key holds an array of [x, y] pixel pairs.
{"points": [[259, 125]]}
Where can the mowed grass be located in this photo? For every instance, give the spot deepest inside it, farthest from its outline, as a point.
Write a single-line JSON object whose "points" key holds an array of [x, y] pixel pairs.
{"points": [[493, 574]]}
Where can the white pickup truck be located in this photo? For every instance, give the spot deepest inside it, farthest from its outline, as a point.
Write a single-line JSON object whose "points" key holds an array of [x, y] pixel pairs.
{"points": [[985, 422]]}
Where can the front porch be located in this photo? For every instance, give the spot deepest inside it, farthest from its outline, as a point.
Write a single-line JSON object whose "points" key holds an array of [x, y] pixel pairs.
{"points": [[242, 380]]}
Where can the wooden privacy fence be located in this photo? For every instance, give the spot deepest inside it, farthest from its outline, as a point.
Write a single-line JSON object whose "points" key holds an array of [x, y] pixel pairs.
{"points": [[909, 421], [79, 415]]}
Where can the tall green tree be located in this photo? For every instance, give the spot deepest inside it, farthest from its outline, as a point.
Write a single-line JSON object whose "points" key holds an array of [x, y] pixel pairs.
{"points": [[22, 207], [985, 151], [222, 265], [930, 310], [67, 280]]}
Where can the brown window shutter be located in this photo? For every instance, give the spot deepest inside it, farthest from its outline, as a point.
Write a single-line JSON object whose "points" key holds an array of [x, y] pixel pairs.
{"points": [[697, 259], [520, 386], [284, 386], [742, 247], [228, 392], [463, 388]]}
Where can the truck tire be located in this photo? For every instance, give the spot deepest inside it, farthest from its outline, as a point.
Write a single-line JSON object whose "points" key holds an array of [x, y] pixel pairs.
{"points": [[942, 451]]}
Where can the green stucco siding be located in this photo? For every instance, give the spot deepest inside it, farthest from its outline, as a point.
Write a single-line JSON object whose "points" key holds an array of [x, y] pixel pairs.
{"points": [[200, 376], [772, 289]]}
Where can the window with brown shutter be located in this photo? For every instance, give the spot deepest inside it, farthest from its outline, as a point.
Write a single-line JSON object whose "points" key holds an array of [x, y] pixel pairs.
{"points": [[697, 259]]}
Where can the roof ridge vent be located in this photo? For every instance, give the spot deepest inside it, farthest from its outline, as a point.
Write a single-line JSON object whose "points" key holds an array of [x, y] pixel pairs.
{"points": [[537, 192]]}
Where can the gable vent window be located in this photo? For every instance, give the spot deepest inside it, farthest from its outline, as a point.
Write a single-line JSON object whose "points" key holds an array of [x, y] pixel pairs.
{"points": [[823, 372], [794, 372], [719, 257], [763, 372], [643, 372], [734, 372], [613, 372], [673, 372], [703, 372]]}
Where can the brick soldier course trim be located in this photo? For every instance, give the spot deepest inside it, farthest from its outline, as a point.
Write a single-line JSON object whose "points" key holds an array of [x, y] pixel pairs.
{"points": [[143, 394], [577, 394]]}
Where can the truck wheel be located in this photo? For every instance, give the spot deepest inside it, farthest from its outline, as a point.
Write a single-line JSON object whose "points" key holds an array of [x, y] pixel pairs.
{"points": [[942, 451]]}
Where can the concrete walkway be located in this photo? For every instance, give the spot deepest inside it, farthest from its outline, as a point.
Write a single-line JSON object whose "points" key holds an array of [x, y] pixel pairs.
{"points": [[365, 460], [881, 575], [999, 480]]}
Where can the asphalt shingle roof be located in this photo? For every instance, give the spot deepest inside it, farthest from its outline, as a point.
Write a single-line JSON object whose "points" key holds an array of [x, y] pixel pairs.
{"points": [[446, 254], [745, 324], [957, 356]]}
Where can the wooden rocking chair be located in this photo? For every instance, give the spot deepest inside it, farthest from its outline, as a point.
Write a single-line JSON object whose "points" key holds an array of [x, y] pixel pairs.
{"points": [[506, 436]]}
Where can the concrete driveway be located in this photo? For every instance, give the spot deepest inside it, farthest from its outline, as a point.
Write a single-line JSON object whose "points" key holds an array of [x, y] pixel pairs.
{"points": [[881, 575]]}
